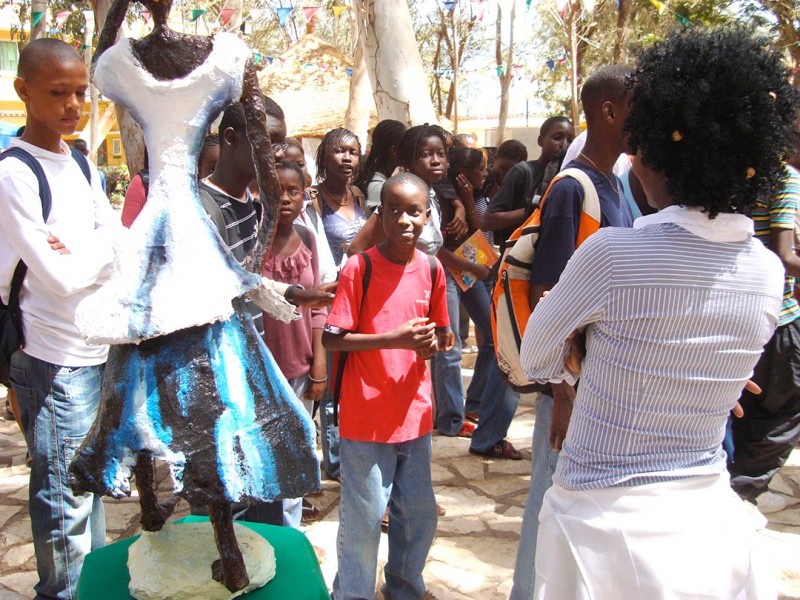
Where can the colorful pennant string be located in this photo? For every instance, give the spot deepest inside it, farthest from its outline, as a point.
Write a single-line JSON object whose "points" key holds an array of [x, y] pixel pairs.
{"points": [[36, 16], [283, 14], [338, 10], [61, 18], [309, 12], [226, 14], [197, 13]]}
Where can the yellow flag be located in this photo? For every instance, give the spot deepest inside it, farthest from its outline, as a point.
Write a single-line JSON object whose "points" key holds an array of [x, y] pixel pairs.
{"points": [[660, 7], [337, 10]]}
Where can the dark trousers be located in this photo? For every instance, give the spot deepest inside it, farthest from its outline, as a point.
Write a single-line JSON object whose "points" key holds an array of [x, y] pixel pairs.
{"points": [[770, 428]]}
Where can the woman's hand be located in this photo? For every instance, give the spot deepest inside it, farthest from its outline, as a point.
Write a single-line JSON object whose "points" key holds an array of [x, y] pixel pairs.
{"points": [[458, 226], [465, 189], [480, 271]]}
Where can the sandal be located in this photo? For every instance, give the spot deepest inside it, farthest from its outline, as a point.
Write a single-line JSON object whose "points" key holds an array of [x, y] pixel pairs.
{"points": [[311, 514], [466, 430], [502, 449]]}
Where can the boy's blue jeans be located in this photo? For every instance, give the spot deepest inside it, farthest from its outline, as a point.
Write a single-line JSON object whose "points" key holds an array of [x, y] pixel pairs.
{"points": [[545, 460], [372, 475], [57, 408]]}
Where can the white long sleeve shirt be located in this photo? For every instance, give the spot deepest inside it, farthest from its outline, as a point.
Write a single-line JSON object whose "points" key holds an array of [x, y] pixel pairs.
{"points": [[83, 220]]}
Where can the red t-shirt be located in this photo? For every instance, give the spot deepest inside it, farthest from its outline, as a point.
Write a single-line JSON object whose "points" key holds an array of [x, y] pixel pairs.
{"points": [[386, 394]]}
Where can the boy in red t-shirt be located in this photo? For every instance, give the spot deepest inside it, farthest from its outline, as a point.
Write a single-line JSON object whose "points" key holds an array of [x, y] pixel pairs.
{"points": [[385, 406]]}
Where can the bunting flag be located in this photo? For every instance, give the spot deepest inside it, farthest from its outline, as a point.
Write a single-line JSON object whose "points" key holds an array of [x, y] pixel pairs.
{"points": [[338, 10], [309, 12], [197, 13], [54, 31], [256, 58], [517, 70], [551, 64], [270, 59], [561, 7], [449, 5], [500, 70], [683, 20], [529, 2], [61, 18], [145, 14], [226, 14], [349, 71], [659, 6], [479, 9], [283, 14], [36, 16]]}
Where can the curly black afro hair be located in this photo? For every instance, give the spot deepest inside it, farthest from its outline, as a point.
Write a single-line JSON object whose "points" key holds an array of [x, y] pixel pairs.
{"points": [[713, 111]]}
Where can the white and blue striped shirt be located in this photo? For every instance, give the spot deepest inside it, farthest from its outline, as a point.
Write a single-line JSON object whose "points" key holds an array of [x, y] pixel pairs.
{"points": [[674, 324]]}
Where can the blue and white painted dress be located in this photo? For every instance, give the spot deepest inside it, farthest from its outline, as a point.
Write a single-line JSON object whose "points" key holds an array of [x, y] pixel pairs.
{"points": [[197, 387]]}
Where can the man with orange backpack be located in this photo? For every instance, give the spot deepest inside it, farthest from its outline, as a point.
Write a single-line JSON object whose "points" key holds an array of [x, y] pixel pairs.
{"points": [[605, 99]]}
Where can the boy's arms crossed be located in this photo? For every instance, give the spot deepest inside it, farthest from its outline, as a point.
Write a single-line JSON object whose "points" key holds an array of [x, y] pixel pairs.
{"points": [[28, 236]]}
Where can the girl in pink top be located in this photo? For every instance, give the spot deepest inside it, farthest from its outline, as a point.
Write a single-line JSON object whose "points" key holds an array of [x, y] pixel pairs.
{"points": [[296, 346]]}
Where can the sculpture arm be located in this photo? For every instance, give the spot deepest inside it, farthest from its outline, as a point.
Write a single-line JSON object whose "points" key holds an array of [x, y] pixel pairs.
{"points": [[114, 19], [268, 186]]}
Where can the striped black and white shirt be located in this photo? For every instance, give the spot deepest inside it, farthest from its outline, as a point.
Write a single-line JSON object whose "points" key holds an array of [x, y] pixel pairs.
{"points": [[675, 323], [241, 231]]}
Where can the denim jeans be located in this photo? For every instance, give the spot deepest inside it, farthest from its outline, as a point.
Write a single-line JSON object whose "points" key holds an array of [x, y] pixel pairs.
{"points": [[488, 391], [544, 465], [374, 474], [329, 432], [57, 408]]}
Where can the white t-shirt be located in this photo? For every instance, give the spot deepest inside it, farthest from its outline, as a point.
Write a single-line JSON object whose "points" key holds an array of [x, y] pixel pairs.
{"points": [[82, 218]]}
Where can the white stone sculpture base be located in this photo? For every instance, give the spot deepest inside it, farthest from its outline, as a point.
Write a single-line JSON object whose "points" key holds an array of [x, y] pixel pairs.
{"points": [[175, 563]]}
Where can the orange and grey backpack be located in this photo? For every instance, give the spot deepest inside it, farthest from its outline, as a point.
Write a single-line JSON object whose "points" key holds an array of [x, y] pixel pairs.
{"points": [[511, 306]]}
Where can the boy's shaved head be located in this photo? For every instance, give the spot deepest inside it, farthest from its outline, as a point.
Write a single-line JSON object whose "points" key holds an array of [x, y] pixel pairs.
{"points": [[403, 179], [607, 83], [41, 53]]}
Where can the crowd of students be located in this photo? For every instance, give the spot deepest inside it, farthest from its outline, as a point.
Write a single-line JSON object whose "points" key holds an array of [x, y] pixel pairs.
{"points": [[664, 338]]}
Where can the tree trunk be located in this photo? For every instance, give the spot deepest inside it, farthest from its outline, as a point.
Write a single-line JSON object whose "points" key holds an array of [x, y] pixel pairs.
{"points": [[361, 101], [395, 68], [623, 33], [130, 131], [572, 17], [40, 29], [505, 76]]}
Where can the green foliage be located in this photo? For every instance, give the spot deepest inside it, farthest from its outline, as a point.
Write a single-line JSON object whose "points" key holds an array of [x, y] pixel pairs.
{"points": [[117, 181]]}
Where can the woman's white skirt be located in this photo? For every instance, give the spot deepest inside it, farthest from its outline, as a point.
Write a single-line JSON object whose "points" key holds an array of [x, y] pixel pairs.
{"points": [[686, 538]]}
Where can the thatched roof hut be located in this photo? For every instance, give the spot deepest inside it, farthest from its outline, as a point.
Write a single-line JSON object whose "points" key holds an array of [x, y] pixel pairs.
{"points": [[310, 82]]}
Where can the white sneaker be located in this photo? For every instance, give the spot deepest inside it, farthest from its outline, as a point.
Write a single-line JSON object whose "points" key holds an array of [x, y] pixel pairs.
{"points": [[770, 502]]}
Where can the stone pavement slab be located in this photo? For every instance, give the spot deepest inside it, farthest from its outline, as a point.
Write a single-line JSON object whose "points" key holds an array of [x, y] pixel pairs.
{"points": [[472, 556]]}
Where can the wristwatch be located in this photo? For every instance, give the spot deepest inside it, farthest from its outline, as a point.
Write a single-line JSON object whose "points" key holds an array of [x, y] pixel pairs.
{"points": [[289, 295]]}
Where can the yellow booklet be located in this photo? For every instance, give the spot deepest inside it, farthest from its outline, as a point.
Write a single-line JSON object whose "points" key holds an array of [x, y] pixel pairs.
{"points": [[475, 249]]}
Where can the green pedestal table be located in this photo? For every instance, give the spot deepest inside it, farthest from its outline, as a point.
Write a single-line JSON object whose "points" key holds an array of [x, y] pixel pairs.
{"points": [[297, 577]]}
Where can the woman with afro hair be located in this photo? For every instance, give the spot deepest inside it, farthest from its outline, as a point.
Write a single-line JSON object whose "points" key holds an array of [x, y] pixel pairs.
{"points": [[664, 323]]}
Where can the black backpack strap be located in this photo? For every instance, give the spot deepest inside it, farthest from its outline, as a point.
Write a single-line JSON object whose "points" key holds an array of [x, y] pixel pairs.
{"points": [[144, 175], [434, 275], [34, 165], [337, 389], [304, 233], [83, 163], [44, 195]]}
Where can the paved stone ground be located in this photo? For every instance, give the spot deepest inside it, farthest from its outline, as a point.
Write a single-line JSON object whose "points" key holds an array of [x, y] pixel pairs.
{"points": [[472, 556]]}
